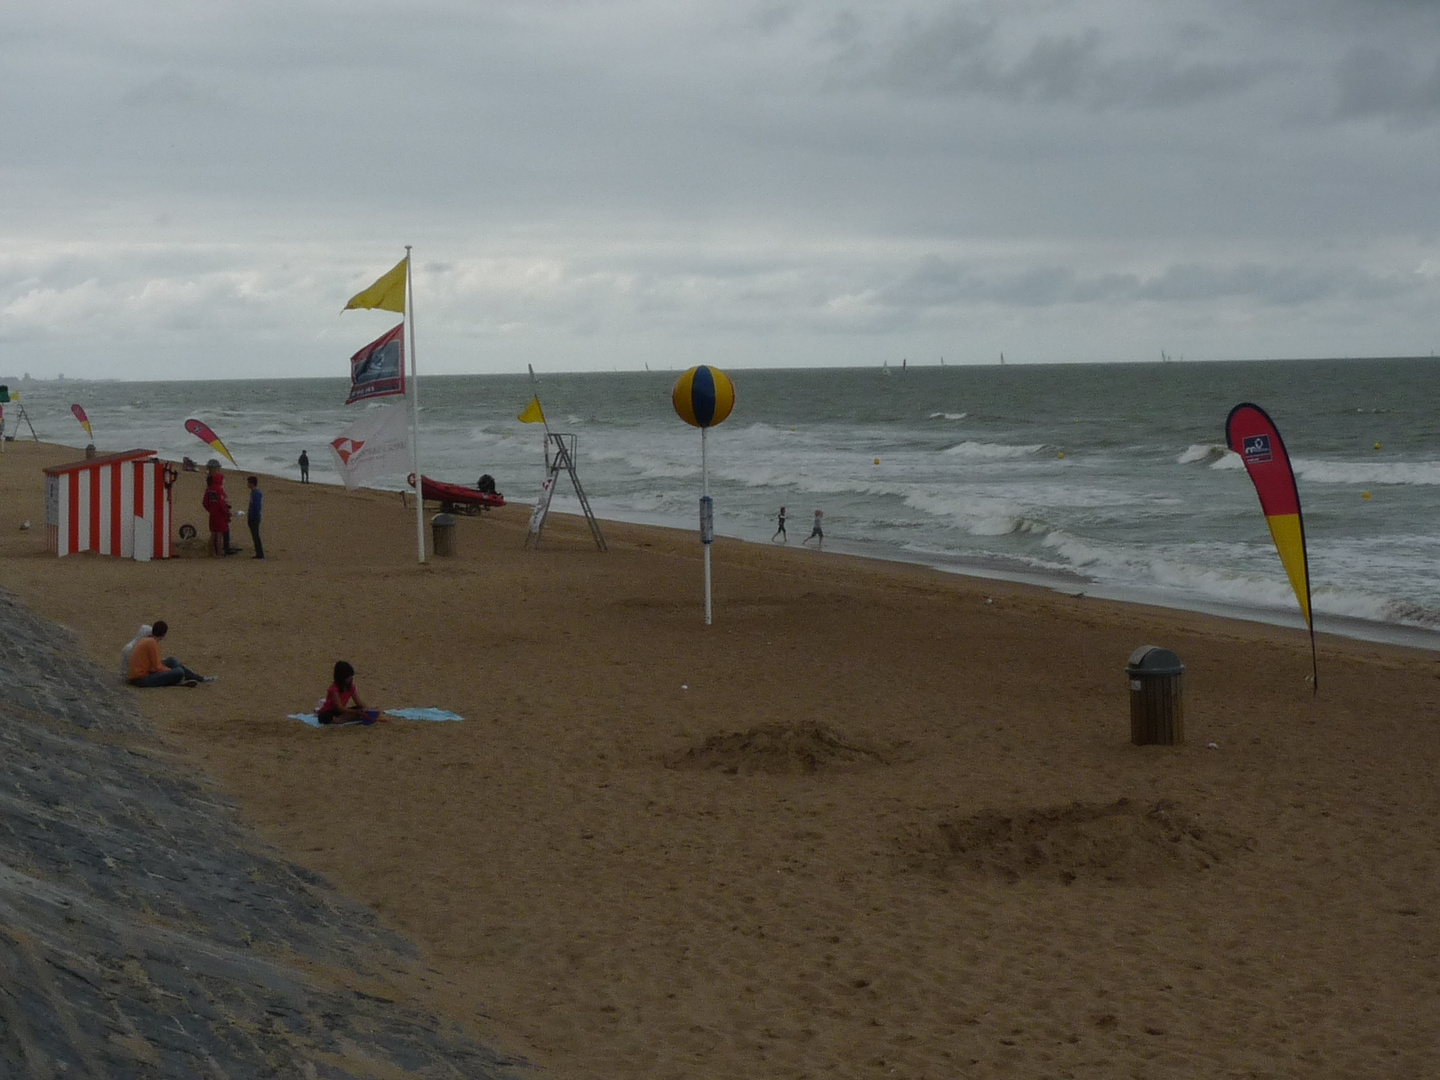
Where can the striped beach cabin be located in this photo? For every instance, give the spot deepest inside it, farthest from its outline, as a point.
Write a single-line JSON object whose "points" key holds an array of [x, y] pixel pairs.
{"points": [[115, 504]]}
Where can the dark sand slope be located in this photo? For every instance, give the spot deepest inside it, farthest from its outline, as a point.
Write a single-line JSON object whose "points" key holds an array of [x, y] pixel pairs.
{"points": [[145, 933]]}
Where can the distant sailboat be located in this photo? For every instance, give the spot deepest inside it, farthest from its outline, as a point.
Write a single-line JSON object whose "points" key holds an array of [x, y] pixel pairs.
{"points": [[1002, 359], [902, 364], [885, 368]]}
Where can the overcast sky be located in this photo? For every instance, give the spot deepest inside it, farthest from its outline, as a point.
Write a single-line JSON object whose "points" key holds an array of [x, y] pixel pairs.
{"points": [[194, 189]]}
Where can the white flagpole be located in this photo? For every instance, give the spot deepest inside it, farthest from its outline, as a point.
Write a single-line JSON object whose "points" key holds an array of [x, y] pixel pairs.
{"points": [[415, 411]]}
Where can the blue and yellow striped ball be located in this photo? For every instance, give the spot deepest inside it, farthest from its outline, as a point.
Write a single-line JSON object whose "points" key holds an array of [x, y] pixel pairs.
{"points": [[703, 396]]}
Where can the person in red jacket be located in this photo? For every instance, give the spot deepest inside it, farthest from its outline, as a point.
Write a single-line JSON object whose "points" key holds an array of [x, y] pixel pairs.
{"points": [[218, 507]]}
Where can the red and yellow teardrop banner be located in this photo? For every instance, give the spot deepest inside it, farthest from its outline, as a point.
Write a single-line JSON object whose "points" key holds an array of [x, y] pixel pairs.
{"points": [[202, 432], [1251, 433], [79, 414]]}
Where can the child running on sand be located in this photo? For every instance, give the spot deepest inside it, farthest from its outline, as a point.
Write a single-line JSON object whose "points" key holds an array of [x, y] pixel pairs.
{"points": [[781, 530], [342, 705], [817, 530]]}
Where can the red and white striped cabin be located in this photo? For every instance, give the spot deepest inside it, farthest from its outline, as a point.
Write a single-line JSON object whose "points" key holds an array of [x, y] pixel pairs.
{"points": [[116, 504]]}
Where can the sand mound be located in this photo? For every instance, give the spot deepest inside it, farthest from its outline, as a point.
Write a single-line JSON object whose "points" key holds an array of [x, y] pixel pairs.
{"points": [[787, 749], [1122, 841]]}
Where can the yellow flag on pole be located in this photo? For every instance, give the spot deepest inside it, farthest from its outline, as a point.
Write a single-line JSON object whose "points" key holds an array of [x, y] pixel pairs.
{"points": [[388, 292], [533, 413]]}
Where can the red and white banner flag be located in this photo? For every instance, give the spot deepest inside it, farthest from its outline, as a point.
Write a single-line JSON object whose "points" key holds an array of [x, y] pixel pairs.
{"points": [[378, 370], [379, 445]]}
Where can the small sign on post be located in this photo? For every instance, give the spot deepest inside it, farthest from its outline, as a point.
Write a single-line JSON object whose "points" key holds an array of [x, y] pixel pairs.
{"points": [[707, 519]]}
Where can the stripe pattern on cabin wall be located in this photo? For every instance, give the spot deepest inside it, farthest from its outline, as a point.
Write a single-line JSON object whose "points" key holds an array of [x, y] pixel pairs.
{"points": [[114, 507]]}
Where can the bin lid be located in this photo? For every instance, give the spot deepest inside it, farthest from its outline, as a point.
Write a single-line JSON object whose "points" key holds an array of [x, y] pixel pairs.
{"points": [[1153, 660], [443, 520]]}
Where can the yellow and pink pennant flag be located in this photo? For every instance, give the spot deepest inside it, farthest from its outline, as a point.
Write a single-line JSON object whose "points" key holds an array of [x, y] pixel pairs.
{"points": [[1251, 433], [202, 432], [84, 420], [388, 292]]}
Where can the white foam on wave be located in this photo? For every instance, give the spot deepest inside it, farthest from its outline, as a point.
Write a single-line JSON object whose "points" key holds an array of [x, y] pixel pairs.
{"points": [[1422, 473], [948, 415], [1201, 452], [1234, 584], [978, 515], [1227, 461], [648, 465], [483, 436], [982, 451]]}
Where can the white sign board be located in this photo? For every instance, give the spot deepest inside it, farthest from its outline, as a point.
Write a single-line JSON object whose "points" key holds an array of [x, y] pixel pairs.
{"points": [[542, 505]]}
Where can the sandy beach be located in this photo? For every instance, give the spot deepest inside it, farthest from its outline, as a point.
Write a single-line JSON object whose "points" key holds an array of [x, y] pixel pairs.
{"points": [[876, 821]]}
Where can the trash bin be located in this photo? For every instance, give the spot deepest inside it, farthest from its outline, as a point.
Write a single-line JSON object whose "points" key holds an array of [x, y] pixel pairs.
{"points": [[442, 528], [1157, 716]]}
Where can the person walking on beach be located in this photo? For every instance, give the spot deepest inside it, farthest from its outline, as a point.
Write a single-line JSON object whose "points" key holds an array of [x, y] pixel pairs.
{"points": [[252, 515], [781, 530], [147, 669], [217, 506], [304, 467], [817, 531]]}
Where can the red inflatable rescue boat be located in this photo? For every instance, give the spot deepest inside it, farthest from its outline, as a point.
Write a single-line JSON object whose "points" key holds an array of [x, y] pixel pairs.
{"points": [[457, 495]]}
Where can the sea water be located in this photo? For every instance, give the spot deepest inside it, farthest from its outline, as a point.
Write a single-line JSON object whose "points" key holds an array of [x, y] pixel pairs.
{"points": [[1110, 479]]}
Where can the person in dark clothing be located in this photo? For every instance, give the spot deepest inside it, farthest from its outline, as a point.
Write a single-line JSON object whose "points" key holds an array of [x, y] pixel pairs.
{"points": [[780, 532], [252, 515], [304, 467]]}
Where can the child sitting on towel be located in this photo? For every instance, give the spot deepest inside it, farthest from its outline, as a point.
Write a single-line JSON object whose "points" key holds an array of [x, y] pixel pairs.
{"points": [[342, 705]]}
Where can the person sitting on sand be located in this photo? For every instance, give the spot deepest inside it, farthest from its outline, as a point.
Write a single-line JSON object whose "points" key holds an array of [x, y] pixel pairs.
{"points": [[342, 705], [147, 669], [129, 649]]}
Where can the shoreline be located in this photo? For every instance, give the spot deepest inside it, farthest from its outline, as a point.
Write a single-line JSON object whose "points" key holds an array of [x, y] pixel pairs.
{"points": [[997, 569], [875, 818]]}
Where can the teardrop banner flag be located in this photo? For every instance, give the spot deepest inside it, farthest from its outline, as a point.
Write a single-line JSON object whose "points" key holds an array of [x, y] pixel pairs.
{"points": [[202, 432], [1251, 433], [84, 420]]}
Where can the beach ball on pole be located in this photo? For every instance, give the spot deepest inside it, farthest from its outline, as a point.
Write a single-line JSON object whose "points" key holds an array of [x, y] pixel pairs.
{"points": [[703, 397]]}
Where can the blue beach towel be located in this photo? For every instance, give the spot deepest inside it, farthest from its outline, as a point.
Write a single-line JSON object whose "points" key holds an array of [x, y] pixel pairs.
{"points": [[423, 714], [314, 721], [404, 714]]}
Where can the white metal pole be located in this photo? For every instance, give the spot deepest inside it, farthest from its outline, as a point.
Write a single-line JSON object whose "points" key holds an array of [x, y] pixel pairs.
{"points": [[705, 491], [415, 411]]}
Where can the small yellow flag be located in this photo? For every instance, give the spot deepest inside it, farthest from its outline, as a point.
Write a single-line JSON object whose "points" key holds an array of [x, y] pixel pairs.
{"points": [[388, 293], [533, 413]]}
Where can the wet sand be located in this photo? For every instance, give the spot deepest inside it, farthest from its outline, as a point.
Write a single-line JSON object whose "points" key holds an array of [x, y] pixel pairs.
{"points": [[875, 821]]}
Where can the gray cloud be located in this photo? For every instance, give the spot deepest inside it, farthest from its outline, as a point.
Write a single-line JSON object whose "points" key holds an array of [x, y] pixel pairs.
{"points": [[195, 187], [958, 53], [1373, 82], [936, 282]]}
